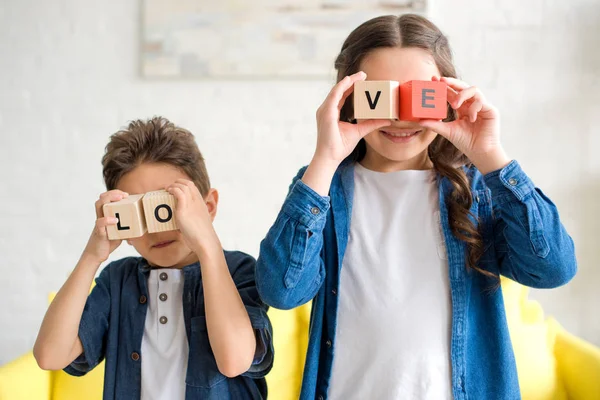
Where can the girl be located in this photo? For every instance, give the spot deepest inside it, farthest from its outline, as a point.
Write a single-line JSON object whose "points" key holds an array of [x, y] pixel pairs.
{"points": [[399, 232]]}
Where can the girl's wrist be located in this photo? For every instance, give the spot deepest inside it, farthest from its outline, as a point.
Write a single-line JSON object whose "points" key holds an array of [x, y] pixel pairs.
{"points": [[325, 163], [491, 161], [319, 174]]}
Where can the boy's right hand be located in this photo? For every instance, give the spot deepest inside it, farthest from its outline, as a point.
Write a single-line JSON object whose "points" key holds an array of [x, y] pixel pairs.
{"points": [[337, 139], [99, 246]]}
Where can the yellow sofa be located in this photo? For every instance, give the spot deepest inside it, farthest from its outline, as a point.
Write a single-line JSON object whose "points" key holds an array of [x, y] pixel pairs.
{"points": [[552, 364]]}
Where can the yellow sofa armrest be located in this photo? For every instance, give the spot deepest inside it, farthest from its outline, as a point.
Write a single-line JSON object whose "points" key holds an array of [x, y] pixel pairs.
{"points": [[22, 379], [290, 334], [578, 364]]}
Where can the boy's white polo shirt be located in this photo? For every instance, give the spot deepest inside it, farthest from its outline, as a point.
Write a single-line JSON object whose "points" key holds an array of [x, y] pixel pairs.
{"points": [[165, 346]]}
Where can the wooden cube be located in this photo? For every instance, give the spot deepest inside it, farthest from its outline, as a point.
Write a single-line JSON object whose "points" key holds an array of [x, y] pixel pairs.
{"points": [[376, 100], [423, 100], [130, 213], [159, 209]]}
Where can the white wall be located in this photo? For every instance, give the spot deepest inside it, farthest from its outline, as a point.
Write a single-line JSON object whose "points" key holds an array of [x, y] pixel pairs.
{"points": [[69, 78]]}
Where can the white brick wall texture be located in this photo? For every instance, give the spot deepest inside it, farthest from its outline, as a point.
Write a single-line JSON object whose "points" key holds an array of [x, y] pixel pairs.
{"points": [[69, 77]]}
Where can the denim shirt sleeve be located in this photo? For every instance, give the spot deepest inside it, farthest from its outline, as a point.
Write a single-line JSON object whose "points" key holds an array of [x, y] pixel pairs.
{"points": [[93, 327], [290, 269], [531, 244], [244, 279]]}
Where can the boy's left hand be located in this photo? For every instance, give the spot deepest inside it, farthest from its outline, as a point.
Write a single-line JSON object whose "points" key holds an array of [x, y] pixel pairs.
{"points": [[191, 214], [476, 130]]}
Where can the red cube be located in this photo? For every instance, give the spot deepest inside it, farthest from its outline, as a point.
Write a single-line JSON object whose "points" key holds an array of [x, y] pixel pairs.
{"points": [[423, 100]]}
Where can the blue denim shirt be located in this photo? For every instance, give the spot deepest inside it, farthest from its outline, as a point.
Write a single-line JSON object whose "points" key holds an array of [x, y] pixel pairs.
{"points": [[112, 327], [301, 257]]}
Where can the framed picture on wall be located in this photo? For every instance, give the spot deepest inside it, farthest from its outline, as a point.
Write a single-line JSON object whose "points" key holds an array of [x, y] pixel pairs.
{"points": [[228, 39]]}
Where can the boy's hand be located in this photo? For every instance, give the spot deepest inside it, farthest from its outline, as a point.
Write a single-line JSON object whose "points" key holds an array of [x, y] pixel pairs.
{"points": [[99, 246], [191, 214]]}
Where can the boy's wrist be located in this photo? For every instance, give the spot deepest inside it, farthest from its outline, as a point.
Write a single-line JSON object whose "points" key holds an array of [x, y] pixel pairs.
{"points": [[89, 261], [209, 244]]}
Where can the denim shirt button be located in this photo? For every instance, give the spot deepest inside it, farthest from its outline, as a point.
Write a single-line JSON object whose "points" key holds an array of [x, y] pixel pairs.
{"points": [[135, 356], [328, 343], [333, 292], [143, 299], [513, 182], [321, 397], [315, 210]]}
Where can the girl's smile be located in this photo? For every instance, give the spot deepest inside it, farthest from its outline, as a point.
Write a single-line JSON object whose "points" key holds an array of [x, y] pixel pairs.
{"points": [[397, 135]]}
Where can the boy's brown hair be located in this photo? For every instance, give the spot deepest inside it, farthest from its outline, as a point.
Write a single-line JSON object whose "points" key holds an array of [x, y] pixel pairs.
{"points": [[156, 140]]}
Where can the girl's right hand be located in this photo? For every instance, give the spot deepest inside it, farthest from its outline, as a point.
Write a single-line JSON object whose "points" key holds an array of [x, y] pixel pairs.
{"points": [[337, 139], [99, 246]]}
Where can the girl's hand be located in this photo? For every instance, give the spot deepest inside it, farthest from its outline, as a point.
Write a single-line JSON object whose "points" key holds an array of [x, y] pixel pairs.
{"points": [[191, 214], [476, 130], [99, 246], [337, 139]]}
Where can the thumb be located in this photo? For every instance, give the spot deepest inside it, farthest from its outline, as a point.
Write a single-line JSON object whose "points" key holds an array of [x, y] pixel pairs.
{"points": [[367, 126], [446, 129]]}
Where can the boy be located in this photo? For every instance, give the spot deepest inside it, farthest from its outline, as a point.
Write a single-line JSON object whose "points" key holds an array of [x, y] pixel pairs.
{"points": [[184, 320]]}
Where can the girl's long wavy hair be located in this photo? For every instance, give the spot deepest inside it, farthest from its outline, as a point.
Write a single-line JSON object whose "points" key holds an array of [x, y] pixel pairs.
{"points": [[410, 30]]}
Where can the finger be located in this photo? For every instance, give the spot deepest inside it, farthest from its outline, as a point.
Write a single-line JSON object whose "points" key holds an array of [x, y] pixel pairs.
{"points": [[102, 223], [360, 76], [108, 197], [114, 192], [106, 221], [343, 88], [455, 83], [488, 111], [179, 195], [446, 129], [183, 187], [347, 93], [451, 94], [191, 185], [474, 109], [367, 126], [465, 95]]}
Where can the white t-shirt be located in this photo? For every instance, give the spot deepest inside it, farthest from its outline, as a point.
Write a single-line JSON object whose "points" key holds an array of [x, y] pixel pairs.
{"points": [[165, 346], [394, 315]]}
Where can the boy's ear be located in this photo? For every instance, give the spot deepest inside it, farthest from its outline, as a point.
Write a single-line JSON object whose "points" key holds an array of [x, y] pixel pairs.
{"points": [[212, 201]]}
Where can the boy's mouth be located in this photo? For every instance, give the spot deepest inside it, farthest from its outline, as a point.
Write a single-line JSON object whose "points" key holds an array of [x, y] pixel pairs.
{"points": [[162, 244], [400, 135]]}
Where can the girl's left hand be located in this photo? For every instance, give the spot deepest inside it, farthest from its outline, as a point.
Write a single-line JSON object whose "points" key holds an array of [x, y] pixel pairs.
{"points": [[476, 130]]}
